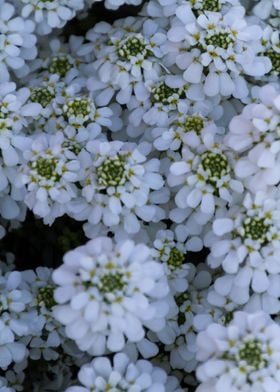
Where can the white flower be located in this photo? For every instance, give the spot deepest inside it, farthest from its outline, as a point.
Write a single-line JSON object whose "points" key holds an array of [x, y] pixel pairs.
{"points": [[50, 334], [185, 129], [266, 8], [204, 177], [13, 297], [60, 58], [117, 186], [228, 293], [17, 43], [49, 174], [240, 357], [122, 374], [195, 313], [81, 111], [50, 14], [167, 96], [225, 45], [254, 134], [50, 93], [245, 242], [67, 107], [14, 300], [15, 116], [271, 48], [171, 252], [129, 55], [108, 293]]}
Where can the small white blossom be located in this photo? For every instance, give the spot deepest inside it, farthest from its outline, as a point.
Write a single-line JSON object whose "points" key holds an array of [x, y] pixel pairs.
{"points": [[17, 43], [242, 356], [225, 45], [108, 293], [120, 186], [254, 134], [49, 174], [122, 374], [50, 14], [245, 242]]}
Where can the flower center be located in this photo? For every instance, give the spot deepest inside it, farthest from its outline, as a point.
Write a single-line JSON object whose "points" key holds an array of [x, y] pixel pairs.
{"points": [[112, 282], [79, 107], [111, 172], [275, 60], [132, 47], [256, 229], [3, 110], [162, 93], [216, 165], [211, 5], [59, 65], [194, 123], [220, 40], [46, 168], [251, 353], [176, 258], [45, 297], [42, 96]]}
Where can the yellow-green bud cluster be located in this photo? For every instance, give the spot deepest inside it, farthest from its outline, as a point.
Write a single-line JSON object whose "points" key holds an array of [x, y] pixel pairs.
{"points": [[176, 258], [251, 353], [162, 93], [215, 164], [132, 47], [194, 123], [46, 168], [109, 283], [275, 60], [42, 95], [78, 107], [45, 296], [219, 40], [59, 65], [256, 229], [111, 172]]}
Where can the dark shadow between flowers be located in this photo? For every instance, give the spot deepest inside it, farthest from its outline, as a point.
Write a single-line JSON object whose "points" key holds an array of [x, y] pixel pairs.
{"points": [[96, 14], [35, 244]]}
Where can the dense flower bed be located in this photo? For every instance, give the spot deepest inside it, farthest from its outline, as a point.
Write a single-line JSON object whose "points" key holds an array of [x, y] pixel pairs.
{"points": [[139, 196]]}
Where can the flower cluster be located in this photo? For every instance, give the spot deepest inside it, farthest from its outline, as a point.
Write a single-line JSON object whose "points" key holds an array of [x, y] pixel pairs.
{"points": [[139, 196]]}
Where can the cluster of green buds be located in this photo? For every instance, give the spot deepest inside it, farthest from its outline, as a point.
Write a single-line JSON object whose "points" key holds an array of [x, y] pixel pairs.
{"points": [[165, 94], [256, 229], [112, 282], [220, 40], [42, 95], [46, 168], [132, 47], [45, 297], [112, 171], [216, 165], [79, 109], [176, 259], [275, 61], [59, 65], [251, 353], [205, 5], [193, 123]]}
